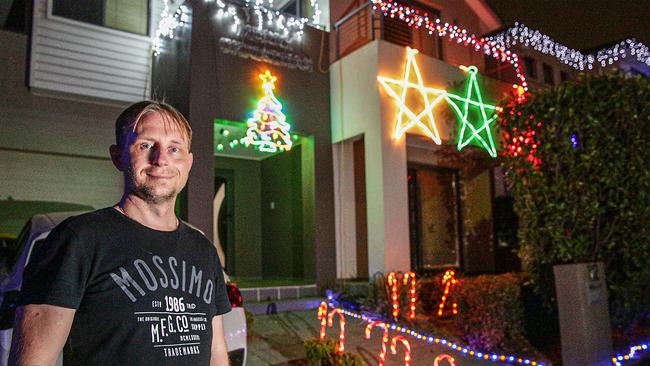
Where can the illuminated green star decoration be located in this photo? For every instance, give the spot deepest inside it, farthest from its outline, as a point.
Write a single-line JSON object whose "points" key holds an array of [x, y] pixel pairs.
{"points": [[470, 131]]}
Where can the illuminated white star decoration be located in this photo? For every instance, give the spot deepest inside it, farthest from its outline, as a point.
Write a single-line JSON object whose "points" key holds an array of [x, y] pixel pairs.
{"points": [[397, 89], [469, 132]]}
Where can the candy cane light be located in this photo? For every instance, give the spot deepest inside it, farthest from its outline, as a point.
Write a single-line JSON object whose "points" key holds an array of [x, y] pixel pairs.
{"points": [[393, 282], [407, 348], [341, 347], [384, 339], [451, 360], [322, 316], [448, 280]]}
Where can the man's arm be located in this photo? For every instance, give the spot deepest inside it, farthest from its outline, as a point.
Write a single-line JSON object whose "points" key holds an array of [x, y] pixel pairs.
{"points": [[40, 331], [219, 348]]}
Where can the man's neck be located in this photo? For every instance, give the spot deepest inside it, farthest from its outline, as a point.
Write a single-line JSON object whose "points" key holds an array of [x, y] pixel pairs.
{"points": [[155, 216]]}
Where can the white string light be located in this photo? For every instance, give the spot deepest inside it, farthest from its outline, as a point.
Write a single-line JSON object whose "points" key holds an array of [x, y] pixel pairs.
{"points": [[531, 38], [167, 25]]}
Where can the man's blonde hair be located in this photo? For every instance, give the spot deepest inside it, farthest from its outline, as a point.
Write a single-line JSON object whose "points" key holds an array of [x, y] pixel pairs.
{"points": [[128, 120]]}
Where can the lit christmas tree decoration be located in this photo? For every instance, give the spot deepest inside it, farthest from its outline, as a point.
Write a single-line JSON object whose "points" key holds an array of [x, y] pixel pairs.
{"points": [[531, 38], [397, 89], [631, 355], [267, 129]]}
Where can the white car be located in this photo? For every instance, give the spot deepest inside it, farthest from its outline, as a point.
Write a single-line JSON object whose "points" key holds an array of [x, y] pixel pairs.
{"points": [[11, 279]]}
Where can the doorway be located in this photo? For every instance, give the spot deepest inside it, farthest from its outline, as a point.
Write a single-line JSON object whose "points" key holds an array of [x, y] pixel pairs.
{"points": [[434, 217]]}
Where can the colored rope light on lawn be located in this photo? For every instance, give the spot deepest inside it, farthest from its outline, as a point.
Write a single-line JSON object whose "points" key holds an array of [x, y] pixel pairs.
{"points": [[468, 131], [407, 348], [531, 38], [322, 316], [449, 359], [384, 339], [167, 25], [424, 337], [397, 89], [631, 355], [449, 281], [416, 18], [340, 348], [267, 129]]}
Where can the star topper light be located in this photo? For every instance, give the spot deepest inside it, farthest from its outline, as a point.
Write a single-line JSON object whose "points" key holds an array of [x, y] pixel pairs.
{"points": [[397, 89]]}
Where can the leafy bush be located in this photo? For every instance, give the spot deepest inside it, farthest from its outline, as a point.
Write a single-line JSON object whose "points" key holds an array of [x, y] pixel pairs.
{"points": [[323, 353], [490, 311], [589, 198]]}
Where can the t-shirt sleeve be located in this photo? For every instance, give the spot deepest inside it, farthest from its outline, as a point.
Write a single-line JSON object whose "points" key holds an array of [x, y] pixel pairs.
{"points": [[57, 271], [221, 301]]}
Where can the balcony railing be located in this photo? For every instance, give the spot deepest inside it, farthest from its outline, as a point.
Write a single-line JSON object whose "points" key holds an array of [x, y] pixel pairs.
{"points": [[362, 25]]}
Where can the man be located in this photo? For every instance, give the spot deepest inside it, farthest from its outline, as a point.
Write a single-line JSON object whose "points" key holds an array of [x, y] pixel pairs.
{"points": [[129, 284]]}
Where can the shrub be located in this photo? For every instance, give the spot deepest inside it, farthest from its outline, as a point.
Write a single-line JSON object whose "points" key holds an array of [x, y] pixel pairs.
{"points": [[589, 198], [323, 353], [490, 311]]}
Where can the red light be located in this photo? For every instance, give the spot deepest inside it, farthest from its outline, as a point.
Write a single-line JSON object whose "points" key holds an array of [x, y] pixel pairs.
{"points": [[234, 295]]}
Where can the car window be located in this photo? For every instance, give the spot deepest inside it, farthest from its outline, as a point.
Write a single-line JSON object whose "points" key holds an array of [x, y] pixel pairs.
{"points": [[14, 253]]}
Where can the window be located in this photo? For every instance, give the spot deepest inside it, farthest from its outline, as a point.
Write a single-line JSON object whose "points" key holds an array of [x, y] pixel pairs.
{"points": [[127, 15], [292, 7], [549, 77], [530, 66], [434, 217]]}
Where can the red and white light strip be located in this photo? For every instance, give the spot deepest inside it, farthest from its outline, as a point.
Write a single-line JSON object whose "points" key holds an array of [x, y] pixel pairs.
{"points": [[416, 18]]}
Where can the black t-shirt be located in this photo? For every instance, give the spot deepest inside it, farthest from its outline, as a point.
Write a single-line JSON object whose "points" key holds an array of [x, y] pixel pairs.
{"points": [[142, 296]]}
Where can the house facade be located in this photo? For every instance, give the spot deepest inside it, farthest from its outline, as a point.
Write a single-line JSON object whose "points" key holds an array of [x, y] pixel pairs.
{"points": [[414, 168]]}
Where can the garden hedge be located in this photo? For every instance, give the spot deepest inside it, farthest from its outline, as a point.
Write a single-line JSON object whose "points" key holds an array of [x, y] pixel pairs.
{"points": [[587, 198]]}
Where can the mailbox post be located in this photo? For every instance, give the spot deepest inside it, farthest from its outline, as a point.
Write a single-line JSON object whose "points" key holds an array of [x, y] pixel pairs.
{"points": [[585, 327]]}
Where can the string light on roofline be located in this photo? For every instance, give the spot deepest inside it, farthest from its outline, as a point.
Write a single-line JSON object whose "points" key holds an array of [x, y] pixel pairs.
{"points": [[167, 25], [416, 18], [531, 38]]}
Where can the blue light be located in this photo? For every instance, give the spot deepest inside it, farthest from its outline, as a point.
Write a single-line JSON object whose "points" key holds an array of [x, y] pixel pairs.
{"points": [[574, 141]]}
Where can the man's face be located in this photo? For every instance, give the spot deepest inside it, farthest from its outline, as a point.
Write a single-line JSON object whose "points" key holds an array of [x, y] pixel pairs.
{"points": [[157, 160]]}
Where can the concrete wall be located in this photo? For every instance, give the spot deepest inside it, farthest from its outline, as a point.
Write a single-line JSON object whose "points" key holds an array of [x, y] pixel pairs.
{"points": [[52, 148]]}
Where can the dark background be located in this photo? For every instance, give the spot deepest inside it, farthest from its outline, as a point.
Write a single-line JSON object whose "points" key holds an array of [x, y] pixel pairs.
{"points": [[580, 24]]}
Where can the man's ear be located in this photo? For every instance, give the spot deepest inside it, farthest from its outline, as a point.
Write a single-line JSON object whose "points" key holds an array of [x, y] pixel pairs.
{"points": [[191, 160], [116, 157]]}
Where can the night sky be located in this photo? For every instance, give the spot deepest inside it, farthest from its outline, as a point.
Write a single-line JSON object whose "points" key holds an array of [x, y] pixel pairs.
{"points": [[580, 24]]}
